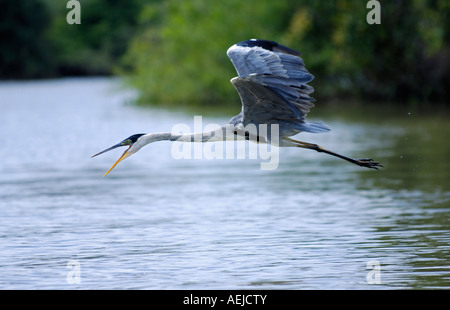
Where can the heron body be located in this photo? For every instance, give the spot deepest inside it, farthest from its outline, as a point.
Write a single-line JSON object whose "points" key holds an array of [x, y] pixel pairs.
{"points": [[272, 83]]}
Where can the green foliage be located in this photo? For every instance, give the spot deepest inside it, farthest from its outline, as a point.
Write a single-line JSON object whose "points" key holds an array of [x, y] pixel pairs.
{"points": [[95, 45], [179, 57], [173, 51], [182, 58], [36, 40], [23, 51]]}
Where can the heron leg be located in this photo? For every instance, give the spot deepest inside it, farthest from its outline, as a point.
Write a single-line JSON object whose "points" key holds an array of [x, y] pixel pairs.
{"points": [[363, 162]]}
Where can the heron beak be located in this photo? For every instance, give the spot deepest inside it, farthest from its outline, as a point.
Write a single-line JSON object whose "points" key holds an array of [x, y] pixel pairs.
{"points": [[124, 155], [108, 149]]}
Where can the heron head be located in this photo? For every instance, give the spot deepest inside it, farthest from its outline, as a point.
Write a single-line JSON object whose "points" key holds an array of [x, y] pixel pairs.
{"points": [[133, 147]]}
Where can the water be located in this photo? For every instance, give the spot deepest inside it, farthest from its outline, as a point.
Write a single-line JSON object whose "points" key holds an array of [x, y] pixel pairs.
{"points": [[159, 223]]}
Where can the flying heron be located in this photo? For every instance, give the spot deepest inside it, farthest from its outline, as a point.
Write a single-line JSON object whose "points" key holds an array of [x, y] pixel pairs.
{"points": [[273, 87]]}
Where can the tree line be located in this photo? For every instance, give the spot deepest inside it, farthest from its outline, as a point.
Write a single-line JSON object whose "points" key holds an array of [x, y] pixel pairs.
{"points": [[173, 51]]}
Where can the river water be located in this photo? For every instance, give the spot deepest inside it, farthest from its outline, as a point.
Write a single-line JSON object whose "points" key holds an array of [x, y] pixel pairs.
{"points": [[155, 222]]}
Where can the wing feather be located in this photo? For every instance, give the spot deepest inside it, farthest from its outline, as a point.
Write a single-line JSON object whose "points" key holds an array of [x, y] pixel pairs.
{"points": [[272, 83]]}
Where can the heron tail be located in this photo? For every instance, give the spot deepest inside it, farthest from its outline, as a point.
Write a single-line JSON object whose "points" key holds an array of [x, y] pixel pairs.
{"points": [[314, 127]]}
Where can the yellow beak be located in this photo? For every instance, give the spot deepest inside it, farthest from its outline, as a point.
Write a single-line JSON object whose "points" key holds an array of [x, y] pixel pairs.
{"points": [[124, 155]]}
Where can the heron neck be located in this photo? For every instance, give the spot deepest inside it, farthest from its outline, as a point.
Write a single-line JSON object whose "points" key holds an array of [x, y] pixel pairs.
{"points": [[207, 136]]}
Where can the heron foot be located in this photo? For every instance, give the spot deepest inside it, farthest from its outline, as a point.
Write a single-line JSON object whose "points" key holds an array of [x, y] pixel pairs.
{"points": [[369, 163]]}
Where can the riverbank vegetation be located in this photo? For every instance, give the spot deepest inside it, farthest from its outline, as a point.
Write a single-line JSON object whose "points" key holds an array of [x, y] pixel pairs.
{"points": [[174, 52]]}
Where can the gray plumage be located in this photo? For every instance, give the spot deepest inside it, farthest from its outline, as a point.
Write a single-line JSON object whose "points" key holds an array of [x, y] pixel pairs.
{"points": [[272, 84]]}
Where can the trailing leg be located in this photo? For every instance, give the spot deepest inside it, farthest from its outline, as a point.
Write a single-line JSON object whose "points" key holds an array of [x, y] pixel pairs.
{"points": [[363, 162]]}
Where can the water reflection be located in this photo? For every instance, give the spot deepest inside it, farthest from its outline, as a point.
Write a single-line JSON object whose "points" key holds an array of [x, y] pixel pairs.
{"points": [[156, 222]]}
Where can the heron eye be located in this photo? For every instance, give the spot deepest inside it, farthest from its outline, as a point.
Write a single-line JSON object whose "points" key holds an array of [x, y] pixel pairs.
{"points": [[126, 142]]}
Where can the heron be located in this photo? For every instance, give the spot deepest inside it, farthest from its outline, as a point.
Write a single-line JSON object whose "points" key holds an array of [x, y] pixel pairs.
{"points": [[272, 84]]}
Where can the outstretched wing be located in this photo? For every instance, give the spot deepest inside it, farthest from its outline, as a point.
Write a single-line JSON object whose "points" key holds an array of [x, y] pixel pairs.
{"points": [[272, 84]]}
